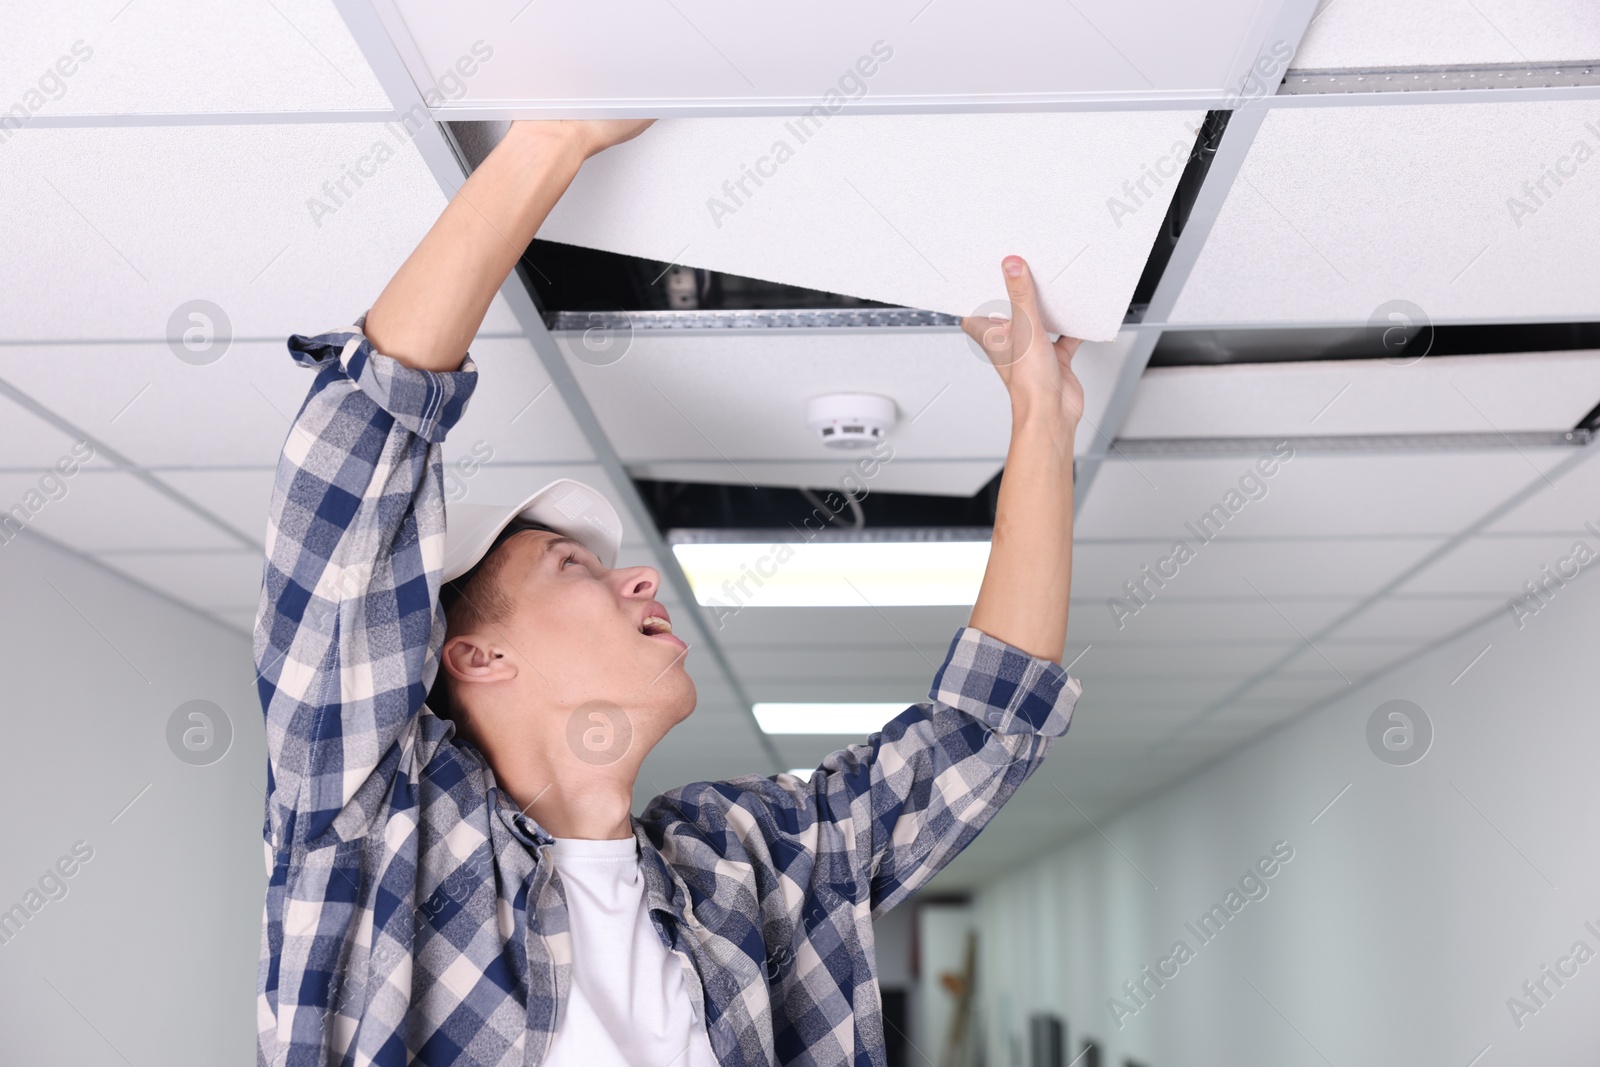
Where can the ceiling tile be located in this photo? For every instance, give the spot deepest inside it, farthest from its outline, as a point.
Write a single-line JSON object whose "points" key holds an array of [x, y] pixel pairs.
{"points": [[1129, 655], [1444, 394], [1416, 618], [729, 406], [892, 626], [898, 208], [227, 214], [114, 510], [1311, 495], [719, 57], [515, 414], [1564, 503], [1250, 620], [185, 57], [28, 444], [206, 580], [1278, 570], [799, 662], [239, 497], [1496, 565], [1339, 211], [160, 411], [1417, 33]]}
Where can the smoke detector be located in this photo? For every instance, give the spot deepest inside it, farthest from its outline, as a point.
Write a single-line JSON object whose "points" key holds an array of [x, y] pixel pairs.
{"points": [[850, 420]]}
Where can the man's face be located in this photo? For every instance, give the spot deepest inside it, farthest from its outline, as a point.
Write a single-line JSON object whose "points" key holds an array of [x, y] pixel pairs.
{"points": [[580, 633]]}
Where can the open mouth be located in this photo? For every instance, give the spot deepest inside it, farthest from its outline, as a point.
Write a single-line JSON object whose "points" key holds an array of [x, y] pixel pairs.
{"points": [[655, 625]]}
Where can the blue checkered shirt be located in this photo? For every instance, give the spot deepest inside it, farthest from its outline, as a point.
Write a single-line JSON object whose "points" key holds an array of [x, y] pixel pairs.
{"points": [[411, 912]]}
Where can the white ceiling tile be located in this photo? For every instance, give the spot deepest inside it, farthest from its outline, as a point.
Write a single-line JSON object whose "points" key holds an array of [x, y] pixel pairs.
{"points": [[515, 414], [30, 444], [722, 56], [1416, 618], [1312, 495], [1497, 565], [184, 56], [1443, 394], [891, 626], [104, 510], [160, 411], [742, 395], [1413, 33], [797, 662], [1229, 620], [899, 208], [1277, 570], [1564, 503], [1339, 210], [1131, 656], [1355, 658], [932, 477], [240, 497], [730, 406], [224, 213], [207, 580]]}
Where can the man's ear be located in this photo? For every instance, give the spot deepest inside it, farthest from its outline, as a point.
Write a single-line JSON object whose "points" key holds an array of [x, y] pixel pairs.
{"points": [[470, 658]]}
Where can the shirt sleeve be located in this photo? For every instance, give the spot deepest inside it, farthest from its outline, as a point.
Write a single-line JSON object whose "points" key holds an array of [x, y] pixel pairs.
{"points": [[905, 803], [349, 627]]}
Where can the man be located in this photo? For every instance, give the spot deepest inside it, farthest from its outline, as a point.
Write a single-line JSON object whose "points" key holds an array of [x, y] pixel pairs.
{"points": [[452, 881]]}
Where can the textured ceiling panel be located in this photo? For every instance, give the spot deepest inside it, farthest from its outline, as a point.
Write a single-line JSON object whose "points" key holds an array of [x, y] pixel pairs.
{"points": [[206, 580], [1340, 211], [1311, 495], [913, 210], [710, 52], [1416, 33], [1562, 505], [1225, 567], [1446, 394], [1417, 618], [112, 232], [102, 509], [183, 56], [730, 406]]}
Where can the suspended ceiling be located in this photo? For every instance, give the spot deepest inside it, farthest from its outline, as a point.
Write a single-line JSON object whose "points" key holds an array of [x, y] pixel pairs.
{"points": [[149, 182]]}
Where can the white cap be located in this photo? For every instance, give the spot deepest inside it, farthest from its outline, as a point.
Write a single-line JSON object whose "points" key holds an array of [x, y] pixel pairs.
{"points": [[570, 508]]}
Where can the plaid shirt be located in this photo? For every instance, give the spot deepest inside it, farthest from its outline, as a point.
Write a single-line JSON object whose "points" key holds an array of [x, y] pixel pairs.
{"points": [[411, 913]]}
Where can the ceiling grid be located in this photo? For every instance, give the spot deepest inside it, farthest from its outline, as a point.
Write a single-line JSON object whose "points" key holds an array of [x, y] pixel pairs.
{"points": [[1325, 201]]}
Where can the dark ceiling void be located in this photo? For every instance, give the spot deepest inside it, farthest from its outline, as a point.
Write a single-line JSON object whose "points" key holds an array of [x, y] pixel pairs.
{"points": [[569, 278], [706, 506], [1190, 348], [1178, 211]]}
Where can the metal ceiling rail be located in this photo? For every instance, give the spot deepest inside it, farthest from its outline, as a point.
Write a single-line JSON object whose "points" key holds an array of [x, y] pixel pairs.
{"points": [[1494, 76], [1375, 442]]}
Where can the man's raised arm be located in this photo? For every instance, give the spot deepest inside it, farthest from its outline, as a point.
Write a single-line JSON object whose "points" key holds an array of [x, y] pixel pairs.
{"points": [[348, 632], [1023, 599], [432, 308]]}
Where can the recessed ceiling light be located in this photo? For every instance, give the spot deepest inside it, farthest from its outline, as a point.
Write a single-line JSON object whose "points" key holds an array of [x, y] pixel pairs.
{"points": [[856, 719], [868, 574]]}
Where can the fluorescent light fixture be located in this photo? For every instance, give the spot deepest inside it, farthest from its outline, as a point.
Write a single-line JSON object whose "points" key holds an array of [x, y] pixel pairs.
{"points": [[802, 773], [831, 574], [861, 719]]}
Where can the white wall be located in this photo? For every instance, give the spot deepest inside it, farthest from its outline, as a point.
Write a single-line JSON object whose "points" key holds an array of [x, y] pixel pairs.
{"points": [[1413, 908], [150, 957]]}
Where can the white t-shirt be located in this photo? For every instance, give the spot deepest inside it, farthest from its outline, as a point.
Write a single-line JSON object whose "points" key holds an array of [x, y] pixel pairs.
{"points": [[628, 1005]]}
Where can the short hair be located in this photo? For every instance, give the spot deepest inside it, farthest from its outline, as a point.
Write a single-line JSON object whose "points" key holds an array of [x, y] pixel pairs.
{"points": [[475, 599]]}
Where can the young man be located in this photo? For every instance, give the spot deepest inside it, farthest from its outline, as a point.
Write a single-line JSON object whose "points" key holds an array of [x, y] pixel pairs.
{"points": [[472, 889]]}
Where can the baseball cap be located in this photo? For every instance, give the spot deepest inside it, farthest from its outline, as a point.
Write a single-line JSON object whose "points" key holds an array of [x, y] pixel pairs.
{"points": [[568, 507]]}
